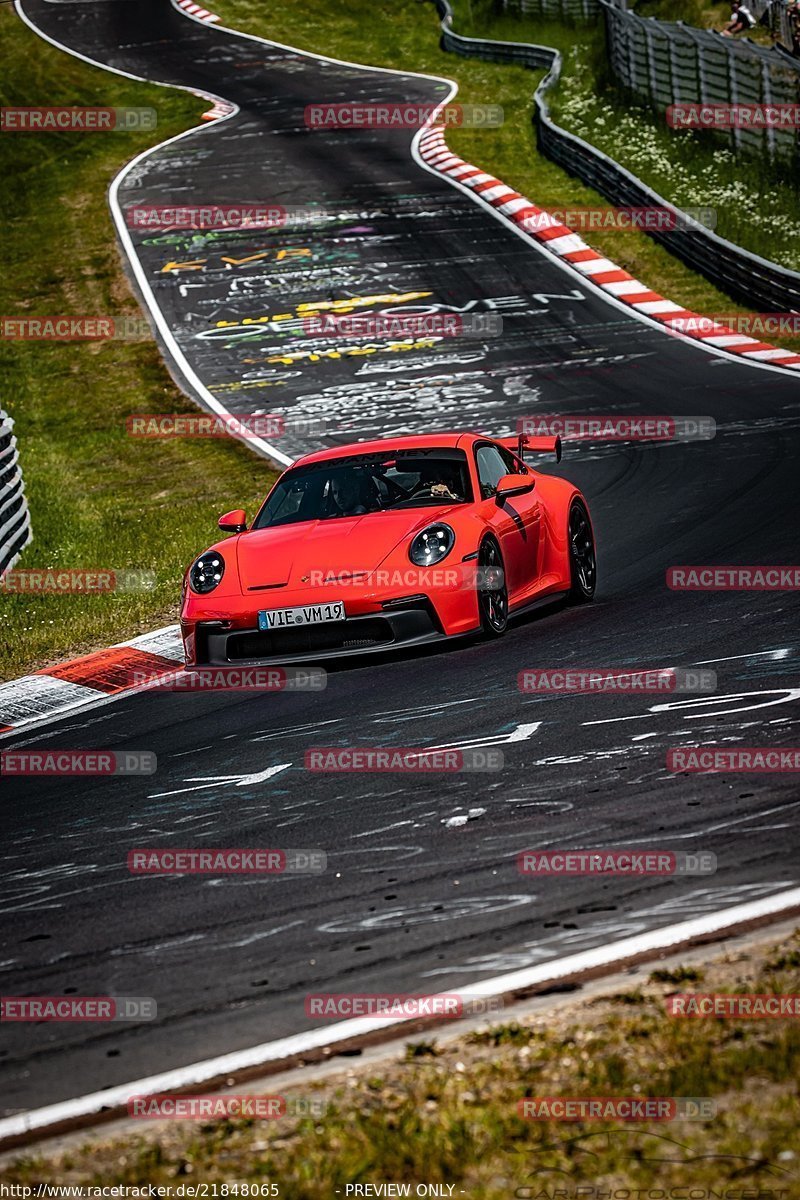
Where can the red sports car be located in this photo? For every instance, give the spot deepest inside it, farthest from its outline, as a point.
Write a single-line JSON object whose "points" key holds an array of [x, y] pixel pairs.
{"points": [[380, 544]]}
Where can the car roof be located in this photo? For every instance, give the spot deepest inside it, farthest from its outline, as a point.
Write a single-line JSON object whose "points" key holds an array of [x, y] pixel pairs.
{"points": [[429, 441]]}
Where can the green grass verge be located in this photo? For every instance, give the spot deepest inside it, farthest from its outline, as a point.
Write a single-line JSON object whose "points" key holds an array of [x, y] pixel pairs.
{"points": [[447, 1113], [97, 497]]}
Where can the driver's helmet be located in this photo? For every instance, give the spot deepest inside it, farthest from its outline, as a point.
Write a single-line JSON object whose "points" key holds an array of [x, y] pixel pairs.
{"points": [[350, 489]]}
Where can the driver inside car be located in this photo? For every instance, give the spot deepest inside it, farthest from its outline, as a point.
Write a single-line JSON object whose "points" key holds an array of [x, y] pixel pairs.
{"points": [[436, 480], [350, 495]]}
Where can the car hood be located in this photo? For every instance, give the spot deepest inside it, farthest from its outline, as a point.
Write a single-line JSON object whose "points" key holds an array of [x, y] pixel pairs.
{"points": [[301, 554]]}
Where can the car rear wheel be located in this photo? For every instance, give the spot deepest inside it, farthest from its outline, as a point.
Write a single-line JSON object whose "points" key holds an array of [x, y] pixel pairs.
{"points": [[492, 591], [582, 559]]}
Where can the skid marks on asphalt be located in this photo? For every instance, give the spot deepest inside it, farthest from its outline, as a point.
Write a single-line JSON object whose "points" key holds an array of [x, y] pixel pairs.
{"points": [[570, 940]]}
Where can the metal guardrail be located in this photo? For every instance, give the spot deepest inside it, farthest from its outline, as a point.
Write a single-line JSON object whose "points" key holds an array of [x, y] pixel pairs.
{"points": [[15, 522], [761, 285]]}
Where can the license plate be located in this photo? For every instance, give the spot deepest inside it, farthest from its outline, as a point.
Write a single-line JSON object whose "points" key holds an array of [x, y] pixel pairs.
{"points": [[309, 614]]}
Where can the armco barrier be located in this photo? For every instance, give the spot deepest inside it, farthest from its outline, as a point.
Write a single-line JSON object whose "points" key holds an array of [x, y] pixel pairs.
{"points": [[761, 285], [15, 522]]}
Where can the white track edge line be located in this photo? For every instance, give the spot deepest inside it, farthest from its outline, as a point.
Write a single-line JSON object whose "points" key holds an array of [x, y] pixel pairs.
{"points": [[256, 1056]]}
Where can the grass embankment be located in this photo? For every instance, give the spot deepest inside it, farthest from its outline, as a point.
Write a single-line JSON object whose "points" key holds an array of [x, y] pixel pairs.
{"points": [[447, 1114], [755, 205], [97, 497]]}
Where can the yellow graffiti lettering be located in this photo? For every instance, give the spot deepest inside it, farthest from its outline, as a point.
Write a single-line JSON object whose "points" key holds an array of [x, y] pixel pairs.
{"points": [[361, 301], [238, 262], [195, 264], [294, 252]]}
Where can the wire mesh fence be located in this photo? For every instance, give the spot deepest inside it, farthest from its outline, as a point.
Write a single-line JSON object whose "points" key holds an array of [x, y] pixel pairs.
{"points": [[760, 284]]}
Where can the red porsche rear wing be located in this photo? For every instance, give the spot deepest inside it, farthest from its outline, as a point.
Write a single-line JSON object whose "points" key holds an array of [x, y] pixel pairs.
{"points": [[523, 444]]}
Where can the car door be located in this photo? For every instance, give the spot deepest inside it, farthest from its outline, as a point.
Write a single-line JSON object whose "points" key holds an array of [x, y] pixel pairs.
{"points": [[516, 522]]}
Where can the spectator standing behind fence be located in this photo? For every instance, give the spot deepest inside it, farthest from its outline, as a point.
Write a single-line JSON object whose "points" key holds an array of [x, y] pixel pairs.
{"points": [[741, 19], [793, 9]]}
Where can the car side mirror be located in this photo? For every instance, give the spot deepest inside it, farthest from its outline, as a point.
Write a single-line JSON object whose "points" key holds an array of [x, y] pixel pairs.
{"points": [[233, 522], [514, 485]]}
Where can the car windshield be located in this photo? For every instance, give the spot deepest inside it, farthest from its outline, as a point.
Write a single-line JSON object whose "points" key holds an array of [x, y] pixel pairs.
{"points": [[374, 483]]}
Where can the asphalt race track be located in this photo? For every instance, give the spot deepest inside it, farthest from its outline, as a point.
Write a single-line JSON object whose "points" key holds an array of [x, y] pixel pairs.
{"points": [[422, 891]]}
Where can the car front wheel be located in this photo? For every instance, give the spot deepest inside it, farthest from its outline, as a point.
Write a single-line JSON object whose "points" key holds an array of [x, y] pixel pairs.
{"points": [[492, 590], [582, 559]]}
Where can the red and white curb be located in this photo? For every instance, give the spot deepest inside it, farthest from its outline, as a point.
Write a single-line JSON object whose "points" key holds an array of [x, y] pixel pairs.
{"points": [[196, 10], [81, 681], [221, 108], [593, 267]]}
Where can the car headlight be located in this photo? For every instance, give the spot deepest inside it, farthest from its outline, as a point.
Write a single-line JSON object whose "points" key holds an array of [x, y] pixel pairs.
{"points": [[432, 545], [206, 572]]}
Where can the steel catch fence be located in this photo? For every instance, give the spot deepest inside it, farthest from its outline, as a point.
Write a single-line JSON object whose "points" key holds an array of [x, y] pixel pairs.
{"points": [[756, 282], [668, 64]]}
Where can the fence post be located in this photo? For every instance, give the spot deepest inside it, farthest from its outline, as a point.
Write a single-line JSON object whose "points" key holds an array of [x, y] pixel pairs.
{"points": [[651, 63], [733, 88], [766, 95]]}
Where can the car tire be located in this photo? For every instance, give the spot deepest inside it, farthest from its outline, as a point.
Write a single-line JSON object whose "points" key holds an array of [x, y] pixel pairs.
{"points": [[582, 556], [492, 590]]}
